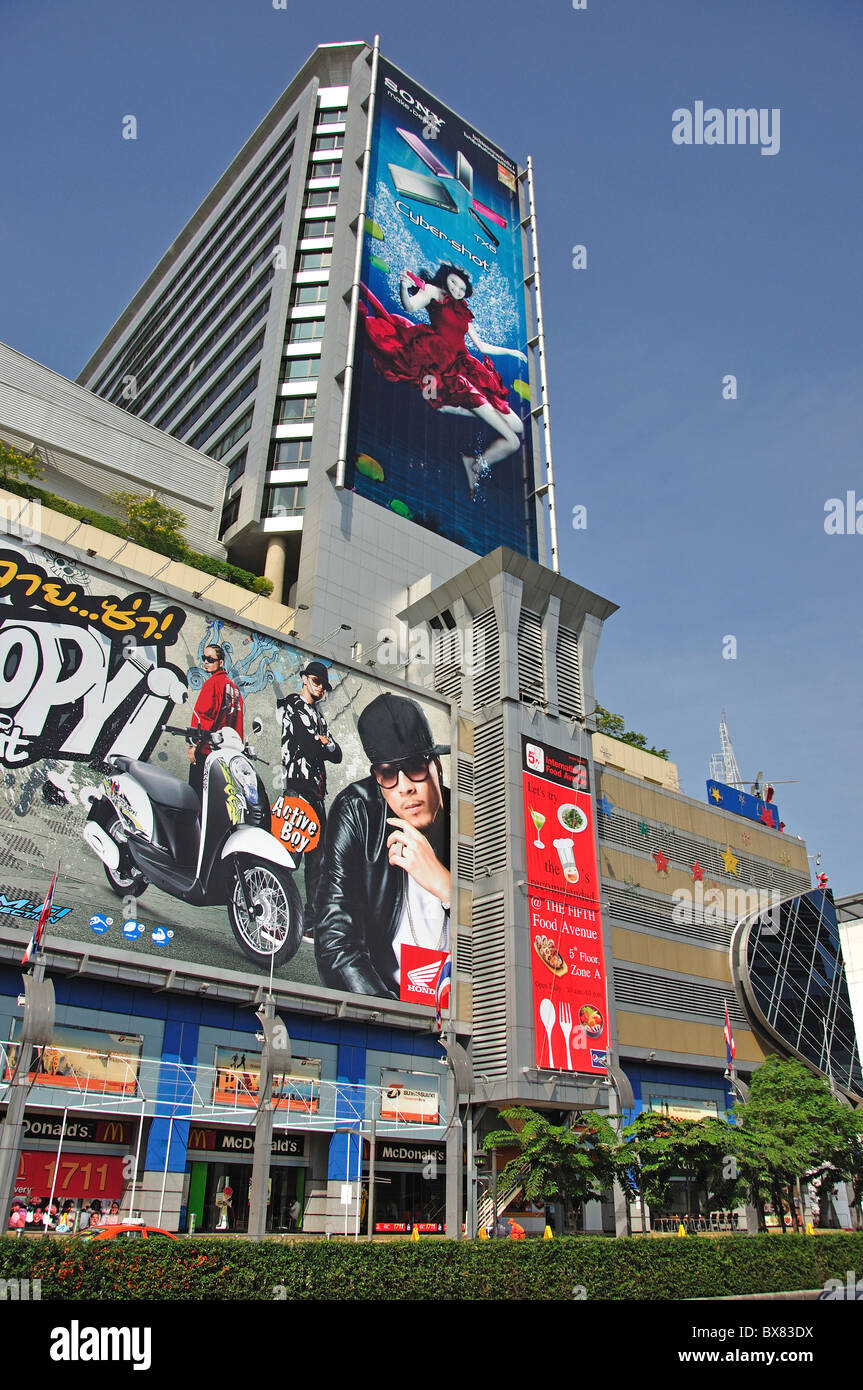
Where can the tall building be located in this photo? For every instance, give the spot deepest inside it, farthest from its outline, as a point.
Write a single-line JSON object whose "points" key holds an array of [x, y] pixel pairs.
{"points": [[249, 341]]}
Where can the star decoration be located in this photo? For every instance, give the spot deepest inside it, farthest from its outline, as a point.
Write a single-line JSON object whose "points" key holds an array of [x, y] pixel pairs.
{"points": [[604, 806], [729, 861], [786, 861], [747, 839], [741, 798], [697, 872], [661, 862], [716, 794], [630, 887], [766, 814], [644, 828]]}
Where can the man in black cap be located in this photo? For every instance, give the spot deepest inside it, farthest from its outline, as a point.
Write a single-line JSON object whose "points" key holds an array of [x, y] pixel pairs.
{"points": [[385, 879], [306, 746]]}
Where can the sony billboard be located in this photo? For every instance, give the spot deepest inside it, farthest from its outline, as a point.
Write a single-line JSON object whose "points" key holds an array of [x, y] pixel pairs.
{"points": [[213, 795], [441, 398]]}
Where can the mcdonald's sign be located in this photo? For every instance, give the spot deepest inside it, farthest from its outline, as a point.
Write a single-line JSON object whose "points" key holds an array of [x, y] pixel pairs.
{"points": [[201, 1138], [113, 1132]]}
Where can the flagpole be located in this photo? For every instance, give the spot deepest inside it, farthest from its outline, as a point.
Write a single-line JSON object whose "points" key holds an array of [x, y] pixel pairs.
{"points": [[37, 1027]]}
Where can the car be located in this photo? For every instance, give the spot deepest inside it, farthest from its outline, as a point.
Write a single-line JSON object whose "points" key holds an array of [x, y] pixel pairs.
{"points": [[133, 1229]]}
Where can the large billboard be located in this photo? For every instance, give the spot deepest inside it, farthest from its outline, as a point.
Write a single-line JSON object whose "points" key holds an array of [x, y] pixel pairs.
{"points": [[567, 958], [441, 397], [302, 825]]}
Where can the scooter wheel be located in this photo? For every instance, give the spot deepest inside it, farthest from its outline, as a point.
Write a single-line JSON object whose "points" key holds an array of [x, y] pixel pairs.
{"points": [[274, 930], [127, 881]]}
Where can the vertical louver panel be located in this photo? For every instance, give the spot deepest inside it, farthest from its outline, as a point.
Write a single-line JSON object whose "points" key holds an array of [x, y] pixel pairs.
{"points": [[488, 1046], [569, 697], [531, 676], [465, 778], [485, 659], [465, 862], [464, 953], [447, 667], [490, 844]]}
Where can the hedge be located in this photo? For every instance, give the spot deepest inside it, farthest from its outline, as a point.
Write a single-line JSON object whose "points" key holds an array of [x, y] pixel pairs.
{"points": [[636, 1269], [221, 569]]}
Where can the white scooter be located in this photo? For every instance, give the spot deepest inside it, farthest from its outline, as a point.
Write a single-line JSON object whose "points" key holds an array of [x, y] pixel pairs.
{"points": [[148, 827]]}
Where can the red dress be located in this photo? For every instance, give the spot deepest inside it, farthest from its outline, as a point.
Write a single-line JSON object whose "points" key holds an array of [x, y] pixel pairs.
{"points": [[412, 352]]}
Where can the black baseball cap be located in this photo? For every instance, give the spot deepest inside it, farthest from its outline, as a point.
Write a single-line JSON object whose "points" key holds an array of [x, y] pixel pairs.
{"points": [[317, 668], [392, 728]]}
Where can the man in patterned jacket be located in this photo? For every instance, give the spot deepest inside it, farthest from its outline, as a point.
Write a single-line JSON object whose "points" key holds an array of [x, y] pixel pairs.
{"points": [[306, 746]]}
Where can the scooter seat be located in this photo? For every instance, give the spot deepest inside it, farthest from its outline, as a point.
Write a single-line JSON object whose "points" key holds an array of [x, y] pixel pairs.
{"points": [[161, 787]]}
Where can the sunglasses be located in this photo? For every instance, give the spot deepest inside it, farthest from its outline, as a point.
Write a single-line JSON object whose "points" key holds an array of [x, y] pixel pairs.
{"points": [[416, 769], [208, 660]]}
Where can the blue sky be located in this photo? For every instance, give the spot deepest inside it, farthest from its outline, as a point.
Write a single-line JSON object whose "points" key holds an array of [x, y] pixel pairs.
{"points": [[705, 517]]}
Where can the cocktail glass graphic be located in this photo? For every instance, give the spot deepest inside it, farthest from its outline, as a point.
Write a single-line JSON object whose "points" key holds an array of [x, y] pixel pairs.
{"points": [[539, 821], [567, 859]]}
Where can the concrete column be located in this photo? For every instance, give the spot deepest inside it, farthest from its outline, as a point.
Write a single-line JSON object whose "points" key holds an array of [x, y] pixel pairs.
{"points": [[274, 565]]}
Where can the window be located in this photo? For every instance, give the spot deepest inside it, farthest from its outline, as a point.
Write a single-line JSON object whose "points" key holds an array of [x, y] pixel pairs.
{"points": [[310, 294], [230, 512], [236, 468], [326, 169], [295, 408], [300, 368], [219, 386], [323, 226], [305, 329], [228, 440], [290, 452], [314, 260], [225, 409], [333, 115], [321, 198], [327, 142], [285, 501]]}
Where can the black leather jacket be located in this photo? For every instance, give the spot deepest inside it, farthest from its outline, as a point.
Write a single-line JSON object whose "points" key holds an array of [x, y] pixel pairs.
{"points": [[360, 894]]}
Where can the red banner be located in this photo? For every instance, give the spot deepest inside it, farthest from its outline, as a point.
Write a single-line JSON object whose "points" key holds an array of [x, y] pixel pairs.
{"points": [[420, 967], [568, 967], [78, 1175]]}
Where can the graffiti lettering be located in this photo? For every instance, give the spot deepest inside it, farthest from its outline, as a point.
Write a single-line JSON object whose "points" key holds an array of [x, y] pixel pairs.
{"points": [[67, 692], [27, 585]]}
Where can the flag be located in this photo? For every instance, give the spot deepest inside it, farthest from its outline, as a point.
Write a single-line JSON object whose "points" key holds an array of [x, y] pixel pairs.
{"points": [[39, 929], [730, 1049], [442, 990]]}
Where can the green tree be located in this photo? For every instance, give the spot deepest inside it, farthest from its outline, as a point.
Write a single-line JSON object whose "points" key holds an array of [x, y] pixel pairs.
{"points": [[572, 1163], [658, 1147], [792, 1126], [615, 726], [15, 465], [151, 522]]}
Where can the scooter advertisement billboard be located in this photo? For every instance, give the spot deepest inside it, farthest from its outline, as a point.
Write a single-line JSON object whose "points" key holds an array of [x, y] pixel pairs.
{"points": [[567, 958], [441, 398], [213, 794]]}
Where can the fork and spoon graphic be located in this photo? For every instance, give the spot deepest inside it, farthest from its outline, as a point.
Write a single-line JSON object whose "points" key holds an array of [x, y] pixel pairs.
{"points": [[563, 1016]]}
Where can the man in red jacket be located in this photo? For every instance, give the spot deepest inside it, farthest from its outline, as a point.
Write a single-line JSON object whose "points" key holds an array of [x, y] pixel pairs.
{"points": [[219, 705]]}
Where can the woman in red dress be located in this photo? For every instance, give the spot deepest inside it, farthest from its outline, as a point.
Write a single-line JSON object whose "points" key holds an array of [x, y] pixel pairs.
{"points": [[434, 358]]}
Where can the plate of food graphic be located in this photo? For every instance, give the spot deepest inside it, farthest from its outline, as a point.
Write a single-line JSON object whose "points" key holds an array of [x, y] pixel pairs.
{"points": [[572, 818], [591, 1020], [550, 955]]}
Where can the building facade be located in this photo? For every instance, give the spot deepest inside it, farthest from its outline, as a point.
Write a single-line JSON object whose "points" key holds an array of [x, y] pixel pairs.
{"points": [[347, 340]]}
